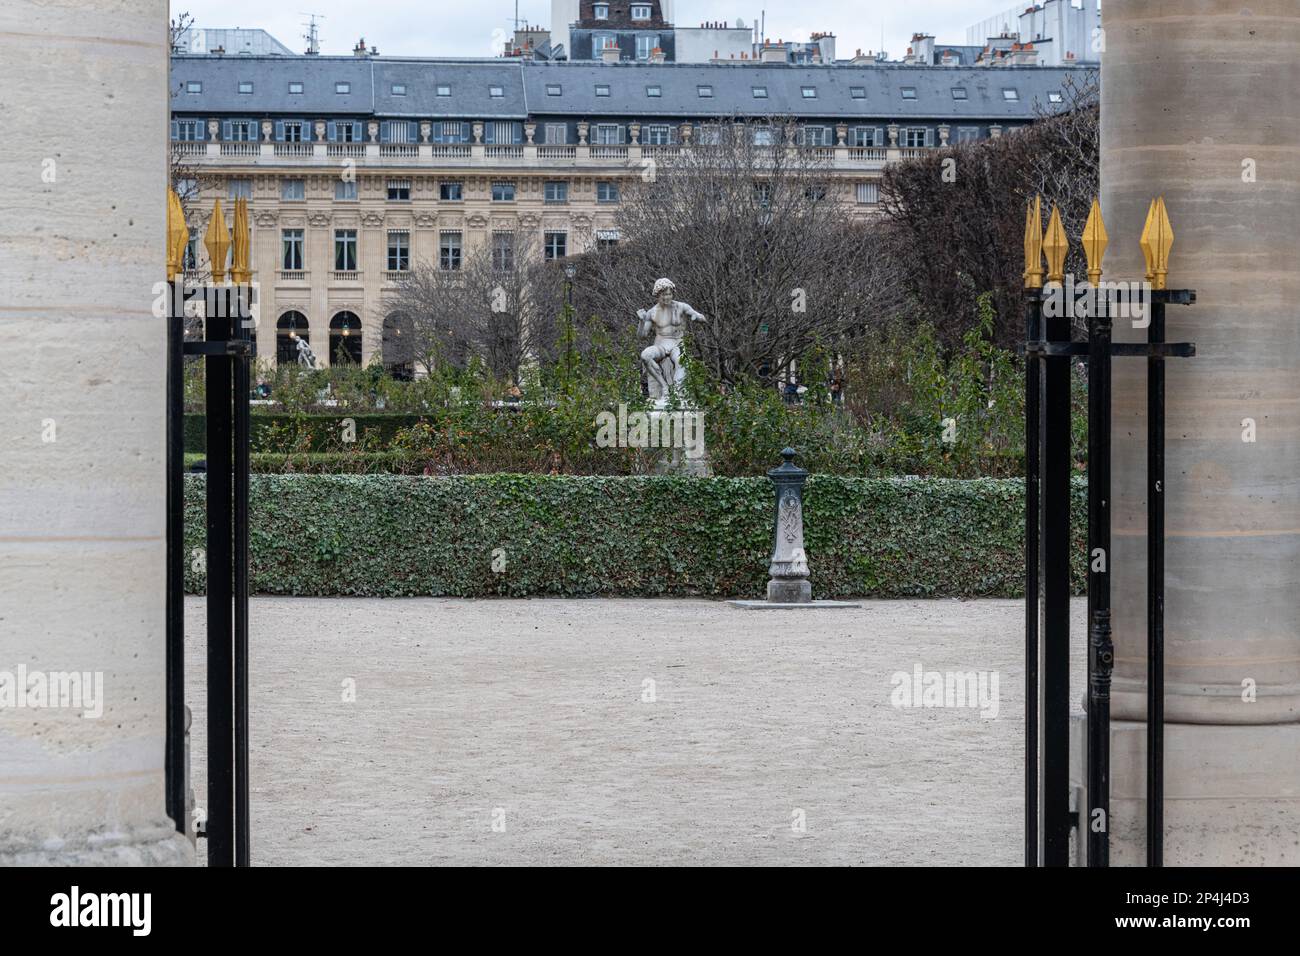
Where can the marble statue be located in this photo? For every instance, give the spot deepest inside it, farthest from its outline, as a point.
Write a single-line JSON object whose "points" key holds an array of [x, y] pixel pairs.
{"points": [[667, 319], [306, 357]]}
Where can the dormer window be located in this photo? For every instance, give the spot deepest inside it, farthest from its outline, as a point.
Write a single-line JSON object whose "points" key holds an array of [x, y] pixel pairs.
{"points": [[600, 11], [654, 91], [295, 87], [1011, 95], [909, 92], [959, 93], [858, 92], [496, 92], [553, 89], [444, 89], [194, 86], [602, 89], [809, 92], [245, 86], [1055, 98], [640, 11], [760, 92], [704, 91], [399, 89], [343, 87]]}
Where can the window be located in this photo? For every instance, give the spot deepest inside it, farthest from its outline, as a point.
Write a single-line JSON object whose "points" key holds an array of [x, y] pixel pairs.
{"points": [[654, 91], [646, 44], [451, 192], [188, 130], [194, 86], [556, 191], [295, 87], [959, 93], [816, 135], [245, 86], [399, 89], [290, 131], [241, 189], [343, 87], [658, 135], [496, 92], [602, 89], [809, 92], [344, 131], [913, 137], [640, 11], [863, 136], [291, 249], [557, 134], [760, 92], [604, 41], [292, 189], [345, 250], [187, 188], [705, 91], [345, 189], [557, 245], [609, 134], [868, 193], [763, 194], [606, 239], [814, 193], [1010, 95], [399, 190], [190, 260], [606, 192], [450, 131], [764, 136], [238, 131], [444, 89], [399, 251], [710, 136], [858, 92], [966, 134], [909, 92], [601, 11], [345, 339], [503, 251], [1055, 98], [449, 251], [503, 192], [553, 89]]}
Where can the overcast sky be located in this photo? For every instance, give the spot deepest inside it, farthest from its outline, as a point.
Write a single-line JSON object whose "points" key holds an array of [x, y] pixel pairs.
{"points": [[460, 28]]}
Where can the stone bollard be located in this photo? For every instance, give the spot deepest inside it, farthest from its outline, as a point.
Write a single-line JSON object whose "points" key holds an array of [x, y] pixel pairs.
{"points": [[788, 582]]}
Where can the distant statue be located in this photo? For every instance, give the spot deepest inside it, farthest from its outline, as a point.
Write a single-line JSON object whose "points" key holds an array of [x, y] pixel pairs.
{"points": [[306, 357], [663, 360]]}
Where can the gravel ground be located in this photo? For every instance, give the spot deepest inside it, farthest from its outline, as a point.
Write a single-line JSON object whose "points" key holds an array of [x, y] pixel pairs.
{"points": [[523, 732]]}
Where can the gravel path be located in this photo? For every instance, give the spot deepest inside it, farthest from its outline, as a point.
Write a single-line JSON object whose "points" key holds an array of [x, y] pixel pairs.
{"points": [[522, 732]]}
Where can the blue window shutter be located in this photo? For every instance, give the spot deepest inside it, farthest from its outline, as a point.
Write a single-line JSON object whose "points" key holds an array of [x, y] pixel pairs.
{"points": [[176, 129], [880, 136], [929, 136], [330, 128], [356, 131], [413, 132], [279, 131], [385, 131], [200, 130], [225, 129]]}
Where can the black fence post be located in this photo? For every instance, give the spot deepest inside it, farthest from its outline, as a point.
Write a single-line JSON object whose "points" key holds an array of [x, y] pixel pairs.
{"points": [[174, 760], [1033, 333]]}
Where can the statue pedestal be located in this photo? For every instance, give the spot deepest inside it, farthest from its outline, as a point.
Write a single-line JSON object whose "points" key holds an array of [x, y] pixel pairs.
{"points": [[681, 432]]}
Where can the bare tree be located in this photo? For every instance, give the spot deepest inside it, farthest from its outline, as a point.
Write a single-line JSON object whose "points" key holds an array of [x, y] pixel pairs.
{"points": [[753, 231], [500, 306]]}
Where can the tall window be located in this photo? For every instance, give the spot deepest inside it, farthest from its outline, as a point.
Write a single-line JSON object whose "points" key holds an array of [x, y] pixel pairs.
{"points": [[658, 135], [188, 130], [606, 192], [449, 251], [503, 192], [345, 339], [645, 44], [292, 189], [399, 190], [345, 189], [345, 250], [557, 245], [609, 134], [449, 131], [503, 251], [914, 136], [862, 136], [344, 131], [239, 131], [868, 193], [399, 250], [556, 190], [451, 192], [291, 249], [557, 134], [241, 189], [292, 131]]}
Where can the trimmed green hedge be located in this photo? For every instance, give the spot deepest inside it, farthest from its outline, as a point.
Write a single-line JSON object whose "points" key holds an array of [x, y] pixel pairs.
{"points": [[392, 535], [264, 425]]}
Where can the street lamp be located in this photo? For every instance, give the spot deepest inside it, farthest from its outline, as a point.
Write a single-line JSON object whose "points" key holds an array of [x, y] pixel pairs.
{"points": [[570, 271]]}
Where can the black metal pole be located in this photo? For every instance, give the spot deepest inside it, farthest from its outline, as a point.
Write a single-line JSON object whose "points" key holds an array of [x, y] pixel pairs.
{"points": [[1033, 332], [1055, 628], [1101, 650], [220, 825], [242, 332], [1156, 589], [174, 760]]}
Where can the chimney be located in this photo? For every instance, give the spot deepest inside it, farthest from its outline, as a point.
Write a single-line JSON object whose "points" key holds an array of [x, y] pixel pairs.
{"points": [[610, 54], [657, 55], [772, 53], [360, 48]]}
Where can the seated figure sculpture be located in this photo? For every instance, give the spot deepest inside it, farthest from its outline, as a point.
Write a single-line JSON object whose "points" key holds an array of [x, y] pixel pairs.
{"points": [[667, 319]]}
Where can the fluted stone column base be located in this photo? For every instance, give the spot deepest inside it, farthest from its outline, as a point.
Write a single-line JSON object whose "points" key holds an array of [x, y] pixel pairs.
{"points": [[1232, 793], [158, 845]]}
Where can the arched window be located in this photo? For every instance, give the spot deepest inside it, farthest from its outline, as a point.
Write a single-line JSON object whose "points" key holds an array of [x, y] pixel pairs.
{"points": [[345, 339], [291, 327], [398, 346]]}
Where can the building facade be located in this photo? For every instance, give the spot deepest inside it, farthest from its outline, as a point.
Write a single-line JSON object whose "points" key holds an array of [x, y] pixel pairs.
{"points": [[357, 167]]}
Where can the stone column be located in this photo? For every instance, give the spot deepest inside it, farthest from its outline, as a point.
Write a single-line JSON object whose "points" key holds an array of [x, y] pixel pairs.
{"points": [[1183, 116], [82, 497]]}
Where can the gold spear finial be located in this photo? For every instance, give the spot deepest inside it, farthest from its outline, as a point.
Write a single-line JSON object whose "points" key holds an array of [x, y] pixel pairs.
{"points": [[1034, 244], [1095, 241], [240, 272], [1157, 240], [175, 223], [217, 242], [1055, 247]]}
